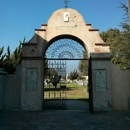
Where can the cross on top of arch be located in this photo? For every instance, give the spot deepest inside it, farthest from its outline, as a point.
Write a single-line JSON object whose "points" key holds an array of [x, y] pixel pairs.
{"points": [[66, 3]]}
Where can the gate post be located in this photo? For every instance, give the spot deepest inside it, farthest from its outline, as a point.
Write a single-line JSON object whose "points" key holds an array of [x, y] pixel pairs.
{"points": [[101, 81], [2, 82]]}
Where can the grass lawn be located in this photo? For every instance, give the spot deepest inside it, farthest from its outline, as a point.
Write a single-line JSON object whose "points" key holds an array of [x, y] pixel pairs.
{"points": [[73, 91]]}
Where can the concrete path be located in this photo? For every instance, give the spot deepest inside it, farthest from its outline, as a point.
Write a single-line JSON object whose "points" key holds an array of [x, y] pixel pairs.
{"points": [[77, 105], [64, 120]]}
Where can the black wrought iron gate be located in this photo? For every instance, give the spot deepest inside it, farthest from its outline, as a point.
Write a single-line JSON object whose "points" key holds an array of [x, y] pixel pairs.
{"points": [[55, 69], [90, 86], [54, 87]]}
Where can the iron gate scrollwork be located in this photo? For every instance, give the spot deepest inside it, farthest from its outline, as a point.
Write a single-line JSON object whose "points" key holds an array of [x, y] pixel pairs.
{"points": [[65, 49]]}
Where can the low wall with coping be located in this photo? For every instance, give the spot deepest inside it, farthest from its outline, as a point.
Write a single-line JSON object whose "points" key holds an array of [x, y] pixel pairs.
{"points": [[12, 90], [111, 86], [113, 97], [120, 80]]}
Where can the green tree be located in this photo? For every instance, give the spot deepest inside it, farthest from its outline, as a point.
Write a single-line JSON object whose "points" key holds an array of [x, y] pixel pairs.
{"points": [[54, 77], [119, 42], [125, 23], [120, 51], [2, 56], [73, 75], [110, 35], [9, 61], [120, 48], [83, 64], [17, 54]]}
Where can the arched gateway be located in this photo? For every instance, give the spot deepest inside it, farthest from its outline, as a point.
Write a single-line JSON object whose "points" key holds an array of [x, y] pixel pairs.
{"points": [[66, 27]]}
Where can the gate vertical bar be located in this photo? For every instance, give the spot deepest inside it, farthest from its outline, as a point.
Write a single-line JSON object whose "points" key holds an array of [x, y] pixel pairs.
{"points": [[90, 86], [54, 97]]}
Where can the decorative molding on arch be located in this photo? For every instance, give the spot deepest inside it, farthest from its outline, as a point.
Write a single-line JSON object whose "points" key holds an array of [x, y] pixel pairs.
{"points": [[29, 44], [44, 25], [64, 53], [31, 58], [40, 29], [102, 44], [92, 29], [88, 24]]}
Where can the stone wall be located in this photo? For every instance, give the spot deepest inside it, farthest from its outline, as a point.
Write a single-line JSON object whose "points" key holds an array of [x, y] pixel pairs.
{"points": [[12, 90], [115, 95], [120, 80]]}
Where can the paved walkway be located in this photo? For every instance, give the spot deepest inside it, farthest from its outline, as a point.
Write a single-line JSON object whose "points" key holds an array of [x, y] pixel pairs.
{"points": [[77, 105], [64, 120]]}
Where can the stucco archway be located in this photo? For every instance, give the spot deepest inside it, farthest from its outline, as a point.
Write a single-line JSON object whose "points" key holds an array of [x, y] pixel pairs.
{"points": [[64, 22]]}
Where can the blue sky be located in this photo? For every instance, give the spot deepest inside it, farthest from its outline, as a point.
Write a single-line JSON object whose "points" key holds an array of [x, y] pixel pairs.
{"points": [[19, 18]]}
